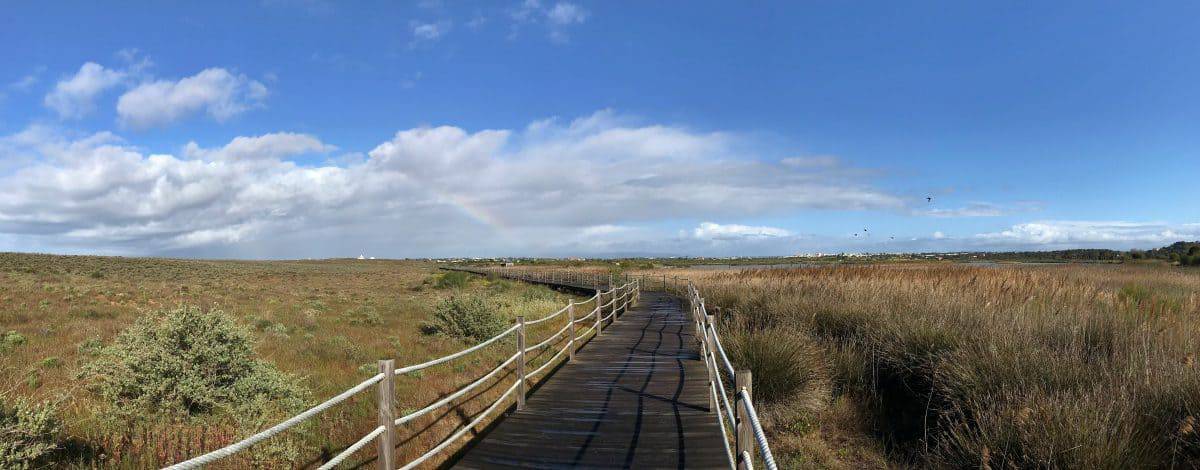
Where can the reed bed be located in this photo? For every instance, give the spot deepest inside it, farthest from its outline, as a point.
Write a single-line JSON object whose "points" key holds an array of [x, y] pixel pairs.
{"points": [[957, 366]]}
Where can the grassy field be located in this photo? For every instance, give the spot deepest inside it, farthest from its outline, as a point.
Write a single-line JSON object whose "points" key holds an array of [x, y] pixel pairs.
{"points": [[945, 365], [856, 366], [324, 322]]}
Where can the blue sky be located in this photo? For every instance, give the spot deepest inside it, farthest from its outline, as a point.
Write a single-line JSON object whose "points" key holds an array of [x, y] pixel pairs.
{"points": [[313, 129]]}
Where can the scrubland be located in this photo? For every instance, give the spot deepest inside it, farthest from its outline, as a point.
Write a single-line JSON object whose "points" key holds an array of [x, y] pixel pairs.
{"points": [[82, 339], [953, 366]]}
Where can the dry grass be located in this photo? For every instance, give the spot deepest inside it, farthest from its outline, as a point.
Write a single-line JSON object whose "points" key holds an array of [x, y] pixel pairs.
{"points": [[324, 321], [993, 367]]}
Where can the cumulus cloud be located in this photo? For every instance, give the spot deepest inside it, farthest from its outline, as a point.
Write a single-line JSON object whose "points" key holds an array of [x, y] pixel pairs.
{"points": [[1081, 233], [277, 146], [74, 97], [215, 91], [719, 232], [586, 184]]}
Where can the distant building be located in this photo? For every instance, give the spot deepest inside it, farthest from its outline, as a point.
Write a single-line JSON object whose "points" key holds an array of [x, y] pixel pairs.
{"points": [[362, 257]]}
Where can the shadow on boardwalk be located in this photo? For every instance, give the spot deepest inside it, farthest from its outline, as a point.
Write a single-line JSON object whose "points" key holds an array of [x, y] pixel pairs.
{"points": [[635, 398]]}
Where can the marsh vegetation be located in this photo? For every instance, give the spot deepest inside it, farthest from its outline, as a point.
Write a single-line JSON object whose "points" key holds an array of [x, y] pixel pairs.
{"points": [[952, 366], [134, 363]]}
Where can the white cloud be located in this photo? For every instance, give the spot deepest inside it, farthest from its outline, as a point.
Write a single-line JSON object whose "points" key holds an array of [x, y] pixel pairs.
{"points": [[215, 91], [74, 97], [719, 232], [1080, 233], [565, 13], [26, 82], [557, 18], [594, 183], [820, 161], [277, 146], [424, 32], [980, 209]]}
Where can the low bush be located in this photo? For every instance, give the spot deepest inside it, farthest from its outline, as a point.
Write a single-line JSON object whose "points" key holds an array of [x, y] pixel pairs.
{"points": [[28, 433], [452, 280], [785, 365], [11, 340], [363, 315], [466, 317], [190, 362]]}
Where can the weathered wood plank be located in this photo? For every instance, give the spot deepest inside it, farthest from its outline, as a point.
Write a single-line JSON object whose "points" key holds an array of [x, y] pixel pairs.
{"points": [[636, 397]]}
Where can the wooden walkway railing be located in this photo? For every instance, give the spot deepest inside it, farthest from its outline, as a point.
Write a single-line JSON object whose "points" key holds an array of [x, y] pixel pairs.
{"points": [[608, 304], [610, 300], [736, 414]]}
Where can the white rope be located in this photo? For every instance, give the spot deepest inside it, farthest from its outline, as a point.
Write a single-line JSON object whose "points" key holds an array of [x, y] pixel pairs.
{"points": [[585, 333], [552, 315], [460, 432], [352, 449], [462, 391], [423, 365], [587, 317], [548, 340], [724, 433], [273, 430], [746, 457], [721, 349], [724, 396], [547, 364], [759, 435]]}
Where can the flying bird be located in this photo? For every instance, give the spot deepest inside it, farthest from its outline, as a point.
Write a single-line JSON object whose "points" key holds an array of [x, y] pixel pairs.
{"points": [[929, 199]]}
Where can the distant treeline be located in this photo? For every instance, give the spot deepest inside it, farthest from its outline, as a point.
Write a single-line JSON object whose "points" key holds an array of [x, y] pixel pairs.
{"points": [[1184, 253]]}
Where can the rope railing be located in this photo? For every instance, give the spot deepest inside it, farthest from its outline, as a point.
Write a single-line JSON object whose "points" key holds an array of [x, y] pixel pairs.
{"points": [[749, 437], [384, 433], [736, 411]]}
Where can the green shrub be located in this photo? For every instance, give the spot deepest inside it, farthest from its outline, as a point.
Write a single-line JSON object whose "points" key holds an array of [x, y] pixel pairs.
{"points": [[785, 364], [467, 317], [11, 340], [28, 433], [536, 293], [91, 347], [363, 315], [190, 362], [452, 280]]}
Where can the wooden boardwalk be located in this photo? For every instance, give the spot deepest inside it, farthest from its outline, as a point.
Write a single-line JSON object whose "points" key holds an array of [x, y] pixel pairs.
{"points": [[636, 397]]}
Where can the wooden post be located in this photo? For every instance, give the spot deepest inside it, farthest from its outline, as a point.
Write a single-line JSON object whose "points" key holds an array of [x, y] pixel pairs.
{"points": [[571, 330], [387, 391], [521, 362], [745, 433], [599, 311], [711, 347]]}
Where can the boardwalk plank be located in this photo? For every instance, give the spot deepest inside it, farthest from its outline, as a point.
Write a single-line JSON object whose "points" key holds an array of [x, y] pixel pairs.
{"points": [[635, 398]]}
